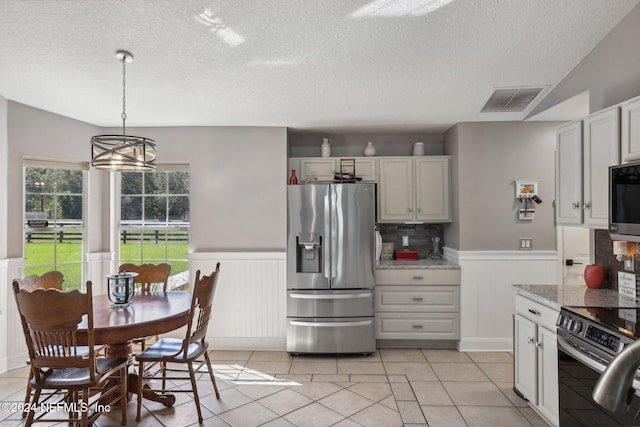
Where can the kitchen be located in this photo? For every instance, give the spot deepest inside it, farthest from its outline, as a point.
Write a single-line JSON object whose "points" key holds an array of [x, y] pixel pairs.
{"points": [[483, 237]]}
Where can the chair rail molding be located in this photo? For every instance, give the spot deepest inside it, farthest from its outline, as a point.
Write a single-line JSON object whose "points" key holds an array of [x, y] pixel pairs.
{"points": [[486, 295], [249, 307]]}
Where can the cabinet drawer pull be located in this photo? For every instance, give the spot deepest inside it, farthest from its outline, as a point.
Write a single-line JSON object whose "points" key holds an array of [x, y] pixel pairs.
{"points": [[417, 299], [418, 277], [418, 326], [534, 312]]}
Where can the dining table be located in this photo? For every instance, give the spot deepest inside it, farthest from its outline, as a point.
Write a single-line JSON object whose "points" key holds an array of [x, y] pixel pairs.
{"points": [[149, 313]]}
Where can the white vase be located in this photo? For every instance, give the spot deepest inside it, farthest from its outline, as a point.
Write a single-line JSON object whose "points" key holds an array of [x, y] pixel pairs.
{"points": [[369, 150], [325, 149]]}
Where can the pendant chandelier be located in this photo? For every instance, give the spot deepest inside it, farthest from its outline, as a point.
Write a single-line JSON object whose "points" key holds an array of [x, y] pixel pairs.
{"points": [[123, 153]]}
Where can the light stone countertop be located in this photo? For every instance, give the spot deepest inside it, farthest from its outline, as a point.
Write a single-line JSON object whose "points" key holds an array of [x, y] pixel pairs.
{"points": [[416, 264], [575, 296]]}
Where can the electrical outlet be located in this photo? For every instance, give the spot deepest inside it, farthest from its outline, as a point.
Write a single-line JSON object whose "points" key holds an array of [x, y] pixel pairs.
{"points": [[405, 241], [526, 244]]}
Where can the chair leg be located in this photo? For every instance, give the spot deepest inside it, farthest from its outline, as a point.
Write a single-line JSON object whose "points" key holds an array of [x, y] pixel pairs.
{"points": [[27, 397], [164, 376], [85, 414], [195, 391], [140, 382], [36, 399], [213, 379], [124, 380]]}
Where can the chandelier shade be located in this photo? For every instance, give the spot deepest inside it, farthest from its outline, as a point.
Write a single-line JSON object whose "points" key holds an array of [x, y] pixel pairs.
{"points": [[123, 153]]}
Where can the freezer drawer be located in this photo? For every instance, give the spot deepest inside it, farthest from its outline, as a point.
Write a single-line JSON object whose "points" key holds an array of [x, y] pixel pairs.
{"points": [[330, 303], [331, 335]]}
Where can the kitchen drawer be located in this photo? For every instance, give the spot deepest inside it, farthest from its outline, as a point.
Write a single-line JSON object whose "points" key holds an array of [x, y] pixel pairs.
{"points": [[539, 313], [418, 276], [331, 335], [334, 303], [438, 326], [418, 298]]}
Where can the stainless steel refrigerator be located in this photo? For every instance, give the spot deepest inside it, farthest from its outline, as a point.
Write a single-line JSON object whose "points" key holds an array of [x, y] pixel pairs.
{"points": [[330, 268]]}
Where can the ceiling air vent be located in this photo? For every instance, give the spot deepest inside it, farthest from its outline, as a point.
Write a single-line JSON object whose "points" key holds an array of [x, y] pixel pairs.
{"points": [[511, 100]]}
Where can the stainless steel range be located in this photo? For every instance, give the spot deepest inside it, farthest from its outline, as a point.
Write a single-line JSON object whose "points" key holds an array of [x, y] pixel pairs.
{"points": [[588, 340], [330, 268]]}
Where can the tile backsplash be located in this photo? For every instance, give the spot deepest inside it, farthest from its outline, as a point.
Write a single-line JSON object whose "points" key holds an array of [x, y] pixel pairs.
{"points": [[420, 236], [604, 256]]}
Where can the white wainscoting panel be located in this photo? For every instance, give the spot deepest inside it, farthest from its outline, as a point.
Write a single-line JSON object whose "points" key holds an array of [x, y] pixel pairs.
{"points": [[13, 350], [486, 295], [249, 308]]}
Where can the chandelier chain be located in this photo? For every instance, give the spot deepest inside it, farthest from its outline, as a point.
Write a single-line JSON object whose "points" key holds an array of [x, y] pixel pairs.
{"points": [[124, 93]]}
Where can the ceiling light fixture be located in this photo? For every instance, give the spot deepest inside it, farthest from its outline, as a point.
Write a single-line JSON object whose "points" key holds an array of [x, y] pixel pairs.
{"points": [[123, 153]]}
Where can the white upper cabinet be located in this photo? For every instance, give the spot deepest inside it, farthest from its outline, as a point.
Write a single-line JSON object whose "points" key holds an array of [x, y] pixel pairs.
{"points": [[569, 174], [601, 149], [584, 152], [395, 189], [433, 195], [323, 168], [414, 189], [630, 139]]}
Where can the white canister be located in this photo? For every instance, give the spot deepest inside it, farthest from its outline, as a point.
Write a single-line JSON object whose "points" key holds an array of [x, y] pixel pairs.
{"points": [[418, 149], [325, 148]]}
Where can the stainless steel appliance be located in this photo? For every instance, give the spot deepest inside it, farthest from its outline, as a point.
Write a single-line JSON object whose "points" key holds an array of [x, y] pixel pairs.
{"points": [[330, 268], [588, 340], [624, 209]]}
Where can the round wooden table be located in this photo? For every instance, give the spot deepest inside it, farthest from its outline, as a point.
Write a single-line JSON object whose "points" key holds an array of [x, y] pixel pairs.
{"points": [[149, 314]]}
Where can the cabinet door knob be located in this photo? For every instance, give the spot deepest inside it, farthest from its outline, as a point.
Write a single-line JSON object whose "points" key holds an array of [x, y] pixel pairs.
{"points": [[575, 205], [410, 209], [530, 340], [586, 205]]}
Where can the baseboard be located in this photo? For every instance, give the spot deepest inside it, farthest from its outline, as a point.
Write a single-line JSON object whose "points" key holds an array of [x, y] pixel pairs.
{"points": [[257, 344], [486, 344]]}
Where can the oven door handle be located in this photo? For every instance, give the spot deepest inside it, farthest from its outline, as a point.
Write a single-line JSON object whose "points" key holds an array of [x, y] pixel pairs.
{"points": [[586, 360]]}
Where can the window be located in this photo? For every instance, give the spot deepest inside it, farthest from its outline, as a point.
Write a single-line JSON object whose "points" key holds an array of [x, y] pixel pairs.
{"points": [[154, 221], [54, 222]]}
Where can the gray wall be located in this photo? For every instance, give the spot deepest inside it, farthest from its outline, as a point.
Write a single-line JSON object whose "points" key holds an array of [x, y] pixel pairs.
{"points": [[238, 183], [487, 158], [307, 144], [611, 71], [238, 176]]}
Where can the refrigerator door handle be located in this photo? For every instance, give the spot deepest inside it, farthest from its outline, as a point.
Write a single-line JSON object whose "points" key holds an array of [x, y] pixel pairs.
{"points": [[329, 324], [336, 235], [326, 256], [329, 296]]}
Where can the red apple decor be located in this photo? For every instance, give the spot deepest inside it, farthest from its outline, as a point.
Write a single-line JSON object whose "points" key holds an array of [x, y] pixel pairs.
{"points": [[594, 276]]}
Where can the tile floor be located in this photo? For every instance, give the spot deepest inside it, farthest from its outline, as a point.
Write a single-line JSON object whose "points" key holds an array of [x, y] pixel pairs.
{"points": [[392, 387]]}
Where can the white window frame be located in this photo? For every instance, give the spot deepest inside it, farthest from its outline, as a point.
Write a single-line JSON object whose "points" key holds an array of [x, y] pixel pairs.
{"points": [[116, 203], [32, 162]]}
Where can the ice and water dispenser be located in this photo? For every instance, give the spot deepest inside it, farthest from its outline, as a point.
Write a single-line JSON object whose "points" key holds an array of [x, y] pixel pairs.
{"points": [[309, 253]]}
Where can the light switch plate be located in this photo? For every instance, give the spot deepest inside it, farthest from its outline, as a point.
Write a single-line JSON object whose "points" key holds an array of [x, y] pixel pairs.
{"points": [[526, 244]]}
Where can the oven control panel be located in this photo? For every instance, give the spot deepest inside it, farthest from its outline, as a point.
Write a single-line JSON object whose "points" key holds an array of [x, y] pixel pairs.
{"points": [[599, 334]]}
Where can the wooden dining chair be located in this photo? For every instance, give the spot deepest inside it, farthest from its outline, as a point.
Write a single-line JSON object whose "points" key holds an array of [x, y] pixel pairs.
{"points": [[49, 280], [150, 278], [192, 349], [50, 321]]}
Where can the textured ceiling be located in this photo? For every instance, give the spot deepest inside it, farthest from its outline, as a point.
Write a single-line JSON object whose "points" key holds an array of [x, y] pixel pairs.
{"points": [[308, 64]]}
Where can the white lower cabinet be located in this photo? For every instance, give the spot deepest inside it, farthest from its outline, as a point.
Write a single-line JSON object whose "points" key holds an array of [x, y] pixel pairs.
{"points": [[536, 356], [418, 304]]}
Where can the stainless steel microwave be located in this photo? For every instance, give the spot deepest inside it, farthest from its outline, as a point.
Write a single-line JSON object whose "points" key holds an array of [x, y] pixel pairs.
{"points": [[624, 202]]}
